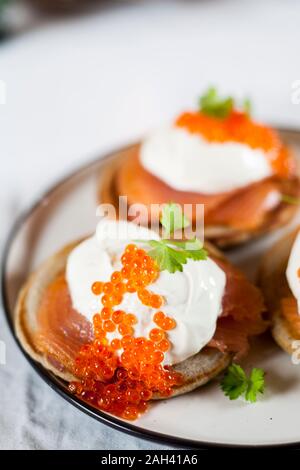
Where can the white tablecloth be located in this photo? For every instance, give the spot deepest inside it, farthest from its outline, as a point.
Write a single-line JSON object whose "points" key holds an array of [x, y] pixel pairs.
{"points": [[77, 87]]}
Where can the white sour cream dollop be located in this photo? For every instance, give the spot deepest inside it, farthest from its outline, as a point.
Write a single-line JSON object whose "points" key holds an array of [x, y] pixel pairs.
{"points": [[188, 162], [292, 270], [192, 297]]}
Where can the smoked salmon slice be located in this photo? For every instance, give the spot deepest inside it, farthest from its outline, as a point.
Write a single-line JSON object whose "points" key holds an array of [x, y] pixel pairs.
{"points": [[247, 208], [242, 315], [244, 208], [242, 300], [233, 335], [62, 330]]}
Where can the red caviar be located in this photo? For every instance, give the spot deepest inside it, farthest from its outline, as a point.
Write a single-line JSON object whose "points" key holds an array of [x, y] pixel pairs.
{"points": [[159, 317], [123, 384], [168, 323], [164, 322], [106, 313], [156, 335], [108, 288], [117, 316], [116, 277], [238, 127], [97, 288], [164, 345]]}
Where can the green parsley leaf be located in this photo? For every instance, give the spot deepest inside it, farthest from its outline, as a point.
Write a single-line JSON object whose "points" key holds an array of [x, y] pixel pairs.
{"points": [[236, 383], [193, 248], [256, 384], [172, 255], [290, 199], [172, 218], [213, 105]]}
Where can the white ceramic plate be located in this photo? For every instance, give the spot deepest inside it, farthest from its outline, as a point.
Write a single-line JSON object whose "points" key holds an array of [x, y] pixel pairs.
{"points": [[201, 418]]}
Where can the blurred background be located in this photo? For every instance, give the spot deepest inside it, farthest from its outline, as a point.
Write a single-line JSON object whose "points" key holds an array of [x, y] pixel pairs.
{"points": [[80, 77]]}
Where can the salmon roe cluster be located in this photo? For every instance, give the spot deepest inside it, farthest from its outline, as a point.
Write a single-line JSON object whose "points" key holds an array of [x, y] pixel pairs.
{"points": [[238, 127], [123, 383]]}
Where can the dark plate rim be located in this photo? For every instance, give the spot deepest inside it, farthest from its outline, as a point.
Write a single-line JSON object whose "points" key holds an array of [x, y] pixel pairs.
{"points": [[45, 375]]}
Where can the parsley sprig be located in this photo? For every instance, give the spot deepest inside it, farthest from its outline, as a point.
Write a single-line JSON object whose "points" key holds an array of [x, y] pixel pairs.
{"points": [[235, 383], [212, 104], [172, 218], [170, 254]]}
